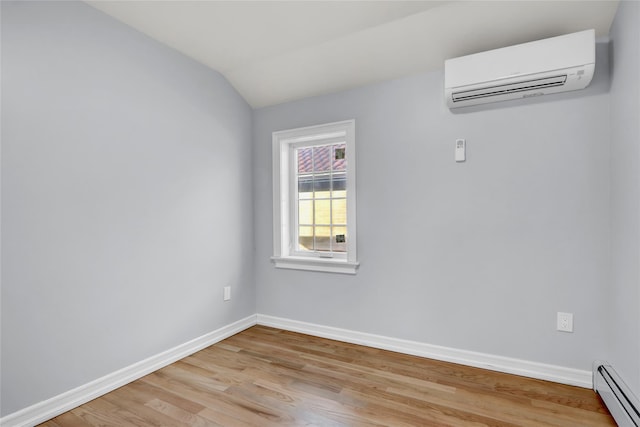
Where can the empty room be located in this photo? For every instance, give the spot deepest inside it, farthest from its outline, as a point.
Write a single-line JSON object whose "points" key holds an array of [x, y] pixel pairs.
{"points": [[320, 213]]}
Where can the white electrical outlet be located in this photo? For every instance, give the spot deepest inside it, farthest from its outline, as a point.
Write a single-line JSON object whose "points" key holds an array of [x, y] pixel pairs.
{"points": [[227, 293], [565, 322]]}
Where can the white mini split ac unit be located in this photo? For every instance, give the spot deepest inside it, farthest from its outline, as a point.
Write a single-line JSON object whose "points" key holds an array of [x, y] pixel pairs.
{"points": [[557, 64]]}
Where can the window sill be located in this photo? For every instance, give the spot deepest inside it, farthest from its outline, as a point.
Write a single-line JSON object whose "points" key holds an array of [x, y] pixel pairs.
{"points": [[316, 264]]}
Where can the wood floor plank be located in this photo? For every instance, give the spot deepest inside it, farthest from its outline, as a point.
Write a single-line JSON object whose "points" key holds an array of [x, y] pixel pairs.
{"points": [[68, 419], [268, 377], [133, 399], [183, 417], [96, 415]]}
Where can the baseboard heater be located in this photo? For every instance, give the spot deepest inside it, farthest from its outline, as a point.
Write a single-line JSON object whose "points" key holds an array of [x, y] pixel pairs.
{"points": [[620, 401]]}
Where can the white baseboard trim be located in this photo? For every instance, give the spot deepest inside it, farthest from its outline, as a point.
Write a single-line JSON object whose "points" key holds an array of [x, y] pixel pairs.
{"points": [[492, 362], [61, 403]]}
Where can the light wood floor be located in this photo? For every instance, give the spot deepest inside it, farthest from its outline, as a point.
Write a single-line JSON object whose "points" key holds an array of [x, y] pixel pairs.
{"points": [[269, 377]]}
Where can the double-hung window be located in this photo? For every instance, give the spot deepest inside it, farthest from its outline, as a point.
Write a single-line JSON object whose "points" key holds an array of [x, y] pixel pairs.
{"points": [[314, 198]]}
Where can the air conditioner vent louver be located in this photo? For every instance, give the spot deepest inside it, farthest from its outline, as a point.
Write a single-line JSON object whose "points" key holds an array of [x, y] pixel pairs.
{"points": [[525, 85], [557, 64]]}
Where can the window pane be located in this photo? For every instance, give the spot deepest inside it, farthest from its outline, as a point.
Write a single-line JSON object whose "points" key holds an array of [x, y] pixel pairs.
{"points": [[322, 182], [323, 212], [305, 162], [340, 194], [338, 157], [305, 238], [305, 212], [305, 187], [322, 238], [339, 181], [339, 211], [323, 194], [322, 158], [339, 239]]}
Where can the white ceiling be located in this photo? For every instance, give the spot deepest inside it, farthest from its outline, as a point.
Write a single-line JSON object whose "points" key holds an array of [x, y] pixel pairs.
{"points": [[278, 51]]}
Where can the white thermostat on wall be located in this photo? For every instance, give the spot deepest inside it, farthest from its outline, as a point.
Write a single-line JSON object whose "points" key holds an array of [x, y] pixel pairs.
{"points": [[461, 146]]}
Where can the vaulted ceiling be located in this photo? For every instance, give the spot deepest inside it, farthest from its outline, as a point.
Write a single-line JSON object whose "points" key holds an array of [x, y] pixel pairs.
{"points": [[278, 51]]}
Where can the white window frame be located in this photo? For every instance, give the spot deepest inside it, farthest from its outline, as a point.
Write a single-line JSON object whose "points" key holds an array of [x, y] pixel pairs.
{"points": [[285, 190]]}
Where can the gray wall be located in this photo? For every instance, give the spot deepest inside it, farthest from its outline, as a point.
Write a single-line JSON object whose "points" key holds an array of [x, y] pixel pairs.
{"points": [[625, 194], [479, 255], [126, 199]]}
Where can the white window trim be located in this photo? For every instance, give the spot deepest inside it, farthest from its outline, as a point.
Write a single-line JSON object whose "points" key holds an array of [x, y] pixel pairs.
{"points": [[282, 193]]}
